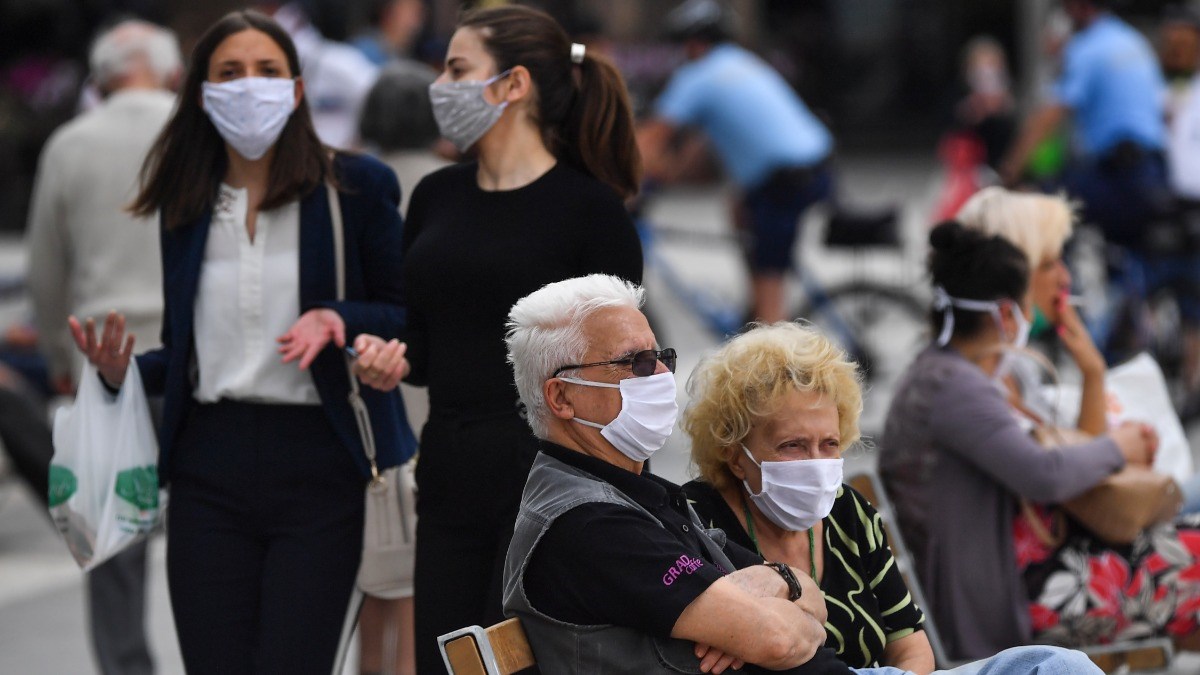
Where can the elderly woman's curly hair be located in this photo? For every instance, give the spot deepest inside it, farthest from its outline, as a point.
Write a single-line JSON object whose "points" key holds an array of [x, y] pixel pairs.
{"points": [[747, 378]]}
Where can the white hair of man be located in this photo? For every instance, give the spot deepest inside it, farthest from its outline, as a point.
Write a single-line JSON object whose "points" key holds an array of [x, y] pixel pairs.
{"points": [[128, 45], [545, 333]]}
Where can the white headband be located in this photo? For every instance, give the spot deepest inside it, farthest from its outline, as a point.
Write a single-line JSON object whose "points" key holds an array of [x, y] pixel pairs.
{"points": [[577, 51]]}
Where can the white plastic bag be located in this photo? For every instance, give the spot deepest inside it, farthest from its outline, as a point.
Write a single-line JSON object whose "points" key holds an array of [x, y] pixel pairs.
{"points": [[104, 492], [1136, 390]]}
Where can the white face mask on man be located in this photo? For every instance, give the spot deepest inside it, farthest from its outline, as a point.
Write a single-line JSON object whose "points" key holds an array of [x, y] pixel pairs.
{"points": [[250, 112], [647, 417], [796, 493]]}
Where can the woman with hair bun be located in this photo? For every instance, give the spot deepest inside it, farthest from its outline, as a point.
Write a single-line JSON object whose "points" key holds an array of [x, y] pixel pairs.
{"points": [[958, 459], [1039, 225], [549, 129]]}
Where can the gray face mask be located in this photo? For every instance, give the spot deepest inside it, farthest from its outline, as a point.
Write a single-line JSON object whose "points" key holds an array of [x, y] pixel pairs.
{"points": [[463, 115]]}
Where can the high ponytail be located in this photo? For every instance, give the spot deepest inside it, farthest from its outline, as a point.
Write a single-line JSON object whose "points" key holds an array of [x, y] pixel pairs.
{"points": [[599, 129], [582, 109]]}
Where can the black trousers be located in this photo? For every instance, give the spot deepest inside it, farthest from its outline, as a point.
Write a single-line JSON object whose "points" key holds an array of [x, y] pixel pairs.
{"points": [[470, 478], [264, 536]]}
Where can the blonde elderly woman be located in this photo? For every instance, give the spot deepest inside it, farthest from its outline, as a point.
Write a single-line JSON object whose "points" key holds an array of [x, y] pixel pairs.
{"points": [[771, 413], [1039, 225]]}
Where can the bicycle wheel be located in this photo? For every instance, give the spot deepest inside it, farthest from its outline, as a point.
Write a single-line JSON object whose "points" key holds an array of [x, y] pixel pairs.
{"points": [[880, 327]]}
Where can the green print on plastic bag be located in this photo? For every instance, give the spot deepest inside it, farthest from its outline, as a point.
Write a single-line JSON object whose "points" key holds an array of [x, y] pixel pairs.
{"points": [[139, 486], [63, 484]]}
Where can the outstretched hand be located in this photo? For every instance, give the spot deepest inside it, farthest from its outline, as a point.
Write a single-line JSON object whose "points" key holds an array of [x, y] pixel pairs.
{"points": [[110, 352], [315, 329]]}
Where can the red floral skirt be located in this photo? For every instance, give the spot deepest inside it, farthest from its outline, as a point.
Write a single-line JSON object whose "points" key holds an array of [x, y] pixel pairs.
{"points": [[1088, 592]]}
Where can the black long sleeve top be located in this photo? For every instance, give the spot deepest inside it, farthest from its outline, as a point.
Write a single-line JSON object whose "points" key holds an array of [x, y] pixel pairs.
{"points": [[469, 254]]}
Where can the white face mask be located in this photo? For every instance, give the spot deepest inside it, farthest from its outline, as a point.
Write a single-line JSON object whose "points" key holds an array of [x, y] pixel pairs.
{"points": [[647, 417], [250, 112], [1023, 327], [796, 493], [1008, 357], [462, 113]]}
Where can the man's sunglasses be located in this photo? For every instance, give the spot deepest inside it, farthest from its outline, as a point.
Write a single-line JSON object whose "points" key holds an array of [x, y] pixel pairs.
{"points": [[643, 363]]}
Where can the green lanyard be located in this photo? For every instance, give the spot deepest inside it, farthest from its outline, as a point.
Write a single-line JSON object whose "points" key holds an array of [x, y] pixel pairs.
{"points": [[812, 544]]}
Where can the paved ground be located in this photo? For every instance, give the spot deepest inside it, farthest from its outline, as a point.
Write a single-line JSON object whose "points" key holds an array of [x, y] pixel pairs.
{"points": [[42, 627]]}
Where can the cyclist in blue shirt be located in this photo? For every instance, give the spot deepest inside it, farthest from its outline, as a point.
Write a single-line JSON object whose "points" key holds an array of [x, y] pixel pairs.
{"points": [[774, 149], [1113, 90]]}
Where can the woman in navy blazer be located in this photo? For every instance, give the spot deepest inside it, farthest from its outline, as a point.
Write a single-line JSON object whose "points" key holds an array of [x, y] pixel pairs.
{"points": [[265, 463]]}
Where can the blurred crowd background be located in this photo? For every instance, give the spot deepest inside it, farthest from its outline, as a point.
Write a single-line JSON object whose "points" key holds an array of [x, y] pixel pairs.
{"points": [[884, 74], [889, 78]]}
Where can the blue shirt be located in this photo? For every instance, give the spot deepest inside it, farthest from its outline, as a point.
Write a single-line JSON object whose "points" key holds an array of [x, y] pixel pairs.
{"points": [[1112, 83], [371, 45], [754, 119]]}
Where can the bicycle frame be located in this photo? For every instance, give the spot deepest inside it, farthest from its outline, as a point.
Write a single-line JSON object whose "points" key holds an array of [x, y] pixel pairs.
{"points": [[1127, 304], [722, 318], [725, 319]]}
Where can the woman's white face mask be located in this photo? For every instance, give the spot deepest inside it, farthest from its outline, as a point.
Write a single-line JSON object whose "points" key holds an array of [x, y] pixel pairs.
{"points": [[796, 493], [1023, 328], [250, 112], [1021, 339]]}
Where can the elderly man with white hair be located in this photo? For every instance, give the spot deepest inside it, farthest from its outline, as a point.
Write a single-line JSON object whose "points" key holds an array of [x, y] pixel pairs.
{"points": [[88, 256], [609, 569]]}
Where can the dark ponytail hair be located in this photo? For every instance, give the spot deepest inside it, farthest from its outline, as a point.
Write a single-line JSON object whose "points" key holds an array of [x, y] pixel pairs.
{"points": [[184, 168], [972, 265], [585, 117]]}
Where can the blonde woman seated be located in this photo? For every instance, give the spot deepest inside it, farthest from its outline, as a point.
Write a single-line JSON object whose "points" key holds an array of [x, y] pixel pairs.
{"points": [[1039, 225], [771, 413]]}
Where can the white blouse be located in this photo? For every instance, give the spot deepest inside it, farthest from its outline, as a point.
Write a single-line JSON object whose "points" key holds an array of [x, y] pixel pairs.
{"points": [[249, 295]]}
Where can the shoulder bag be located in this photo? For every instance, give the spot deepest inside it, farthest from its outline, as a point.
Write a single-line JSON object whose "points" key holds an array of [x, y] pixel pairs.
{"points": [[1123, 505], [390, 519], [1115, 510]]}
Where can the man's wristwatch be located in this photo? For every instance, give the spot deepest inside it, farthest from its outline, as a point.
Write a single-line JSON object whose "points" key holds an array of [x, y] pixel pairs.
{"points": [[789, 577]]}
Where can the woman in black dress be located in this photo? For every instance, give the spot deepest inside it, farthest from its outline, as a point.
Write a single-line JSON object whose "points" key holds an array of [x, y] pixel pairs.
{"points": [[550, 128]]}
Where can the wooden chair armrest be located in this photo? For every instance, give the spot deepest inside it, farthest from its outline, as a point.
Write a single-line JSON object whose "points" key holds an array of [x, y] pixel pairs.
{"points": [[500, 649]]}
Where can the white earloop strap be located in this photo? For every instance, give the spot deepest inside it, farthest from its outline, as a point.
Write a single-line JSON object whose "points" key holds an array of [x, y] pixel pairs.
{"points": [[946, 303]]}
